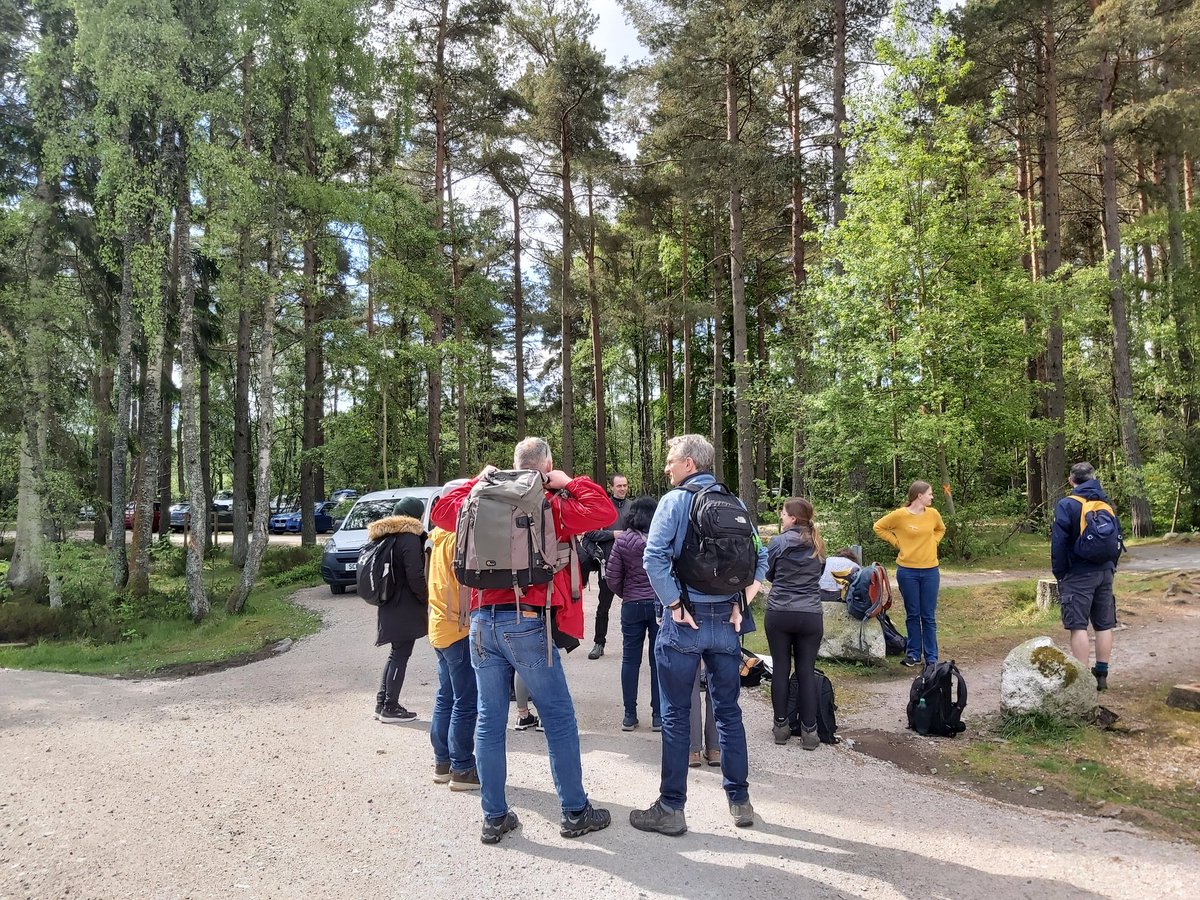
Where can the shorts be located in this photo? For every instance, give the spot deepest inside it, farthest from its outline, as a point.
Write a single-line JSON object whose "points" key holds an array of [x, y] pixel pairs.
{"points": [[1088, 596]]}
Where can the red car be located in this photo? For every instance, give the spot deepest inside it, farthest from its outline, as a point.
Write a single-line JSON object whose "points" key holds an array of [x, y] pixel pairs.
{"points": [[129, 516]]}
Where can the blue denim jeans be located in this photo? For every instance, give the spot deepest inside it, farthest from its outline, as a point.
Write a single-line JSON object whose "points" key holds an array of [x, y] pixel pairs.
{"points": [[502, 642], [679, 649], [919, 588], [638, 622], [455, 708]]}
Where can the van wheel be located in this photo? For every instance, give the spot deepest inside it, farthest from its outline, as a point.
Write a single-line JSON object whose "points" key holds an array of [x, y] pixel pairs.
{"points": [[337, 589]]}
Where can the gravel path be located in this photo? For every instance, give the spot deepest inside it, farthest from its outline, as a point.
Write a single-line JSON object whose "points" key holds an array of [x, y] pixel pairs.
{"points": [[273, 780]]}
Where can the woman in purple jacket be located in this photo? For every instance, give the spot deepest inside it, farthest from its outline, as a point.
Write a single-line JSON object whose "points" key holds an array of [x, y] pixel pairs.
{"points": [[639, 617]]}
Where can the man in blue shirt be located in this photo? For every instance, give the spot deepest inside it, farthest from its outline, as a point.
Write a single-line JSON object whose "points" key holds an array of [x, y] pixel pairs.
{"points": [[709, 633]]}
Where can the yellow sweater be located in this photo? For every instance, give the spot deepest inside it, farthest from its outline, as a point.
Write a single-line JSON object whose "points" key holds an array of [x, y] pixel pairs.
{"points": [[915, 535], [444, 627]]}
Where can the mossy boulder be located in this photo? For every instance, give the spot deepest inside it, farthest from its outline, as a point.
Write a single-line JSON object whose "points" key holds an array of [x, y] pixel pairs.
{"points": [[1038, 677]]}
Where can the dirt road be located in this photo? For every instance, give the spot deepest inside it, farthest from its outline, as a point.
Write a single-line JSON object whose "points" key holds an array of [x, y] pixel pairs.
{"points": [[273, 780]]}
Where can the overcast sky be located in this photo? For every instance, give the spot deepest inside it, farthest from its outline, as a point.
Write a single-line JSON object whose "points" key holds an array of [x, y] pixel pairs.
{"points": [[614, 35]]}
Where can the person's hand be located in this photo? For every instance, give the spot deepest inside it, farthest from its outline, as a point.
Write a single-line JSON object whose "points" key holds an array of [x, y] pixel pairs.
{"points": [[735, 617], [681, 616], [486, 470], [557, 479], [752, 590]]}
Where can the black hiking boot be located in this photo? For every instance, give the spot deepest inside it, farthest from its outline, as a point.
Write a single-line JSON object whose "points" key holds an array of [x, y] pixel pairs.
{"points": [[494, 829], [1101, 679], [587, 819], [659, 818]]}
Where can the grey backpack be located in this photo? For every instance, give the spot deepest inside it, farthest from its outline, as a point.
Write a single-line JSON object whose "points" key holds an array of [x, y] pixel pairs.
{"points": [[506, 536]]}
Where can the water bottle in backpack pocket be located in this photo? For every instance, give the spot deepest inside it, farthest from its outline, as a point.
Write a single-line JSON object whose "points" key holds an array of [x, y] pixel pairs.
{"points": [[936, 701]]}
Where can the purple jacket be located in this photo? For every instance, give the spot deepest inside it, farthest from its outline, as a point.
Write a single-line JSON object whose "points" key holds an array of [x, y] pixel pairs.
{"points": [[624, 572]]}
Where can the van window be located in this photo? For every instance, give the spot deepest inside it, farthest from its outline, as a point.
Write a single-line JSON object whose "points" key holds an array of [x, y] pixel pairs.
{"points": [[367, 511]]}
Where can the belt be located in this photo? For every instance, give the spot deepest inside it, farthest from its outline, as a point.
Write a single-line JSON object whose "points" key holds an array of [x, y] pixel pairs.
{"points": [[517, 607]]}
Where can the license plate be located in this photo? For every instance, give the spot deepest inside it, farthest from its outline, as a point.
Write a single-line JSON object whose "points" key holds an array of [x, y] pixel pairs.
{"points": [[352, 567]]}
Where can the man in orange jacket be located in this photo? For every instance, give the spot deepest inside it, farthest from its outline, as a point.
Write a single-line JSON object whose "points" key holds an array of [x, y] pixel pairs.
{"points": [[509, 636]]}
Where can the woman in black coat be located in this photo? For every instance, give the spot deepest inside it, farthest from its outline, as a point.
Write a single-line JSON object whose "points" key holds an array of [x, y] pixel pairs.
{"points": [[403, 617]]}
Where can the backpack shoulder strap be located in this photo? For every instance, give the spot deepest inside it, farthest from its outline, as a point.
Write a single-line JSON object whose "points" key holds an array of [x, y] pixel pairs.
{"points": [[961, 686]]}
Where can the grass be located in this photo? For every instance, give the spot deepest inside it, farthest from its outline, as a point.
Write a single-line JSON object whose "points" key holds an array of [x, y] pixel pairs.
{"points": [[1093, 766], [155, 643]]}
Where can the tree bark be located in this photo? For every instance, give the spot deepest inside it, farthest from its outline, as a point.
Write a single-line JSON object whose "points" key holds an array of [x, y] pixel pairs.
{"points": [[601, 454], [241, 417], [839, 111], [188, 398], [1055, 470], [518, 315], [718, 351], [567, 461], [1143, 525], [799, 278], [117, 560], [741, 400], [686, 312], [102, 399]]}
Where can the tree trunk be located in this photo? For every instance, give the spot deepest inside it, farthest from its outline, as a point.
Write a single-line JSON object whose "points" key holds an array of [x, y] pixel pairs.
{"points": [[148, 460], [799, 278], [741, 400], [241, 417], [686, 312], [266, 430], [117, 560], [718, 351], [190, 447], [1143, 525], [839, 111], [518, 316], [567, 462], [1055, 471], [102, 400], [601, 450], [433, 436]]}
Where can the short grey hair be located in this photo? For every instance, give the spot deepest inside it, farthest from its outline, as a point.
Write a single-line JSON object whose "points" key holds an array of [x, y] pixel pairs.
{"points": [[532, 453], [696, 447], [1081, 472]]}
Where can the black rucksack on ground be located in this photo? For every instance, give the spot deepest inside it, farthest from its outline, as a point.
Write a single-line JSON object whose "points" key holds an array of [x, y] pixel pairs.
{"points": [[720, 549], [374, 574], [935, 706], [896, 643], [826, 707]]}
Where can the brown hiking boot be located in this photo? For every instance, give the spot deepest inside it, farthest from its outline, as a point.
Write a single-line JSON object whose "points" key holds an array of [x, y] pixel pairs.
{"points": [[464, 781]]}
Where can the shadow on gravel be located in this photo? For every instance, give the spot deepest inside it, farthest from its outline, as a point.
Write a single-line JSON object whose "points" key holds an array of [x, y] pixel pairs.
{"points": [[760, 855]]}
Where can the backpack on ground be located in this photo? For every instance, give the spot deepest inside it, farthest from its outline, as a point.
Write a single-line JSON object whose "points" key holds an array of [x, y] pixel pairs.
{"points": [[1100, 537], [870, 592], [720, 548], [895, 641], [826, 707], [374, 575], [505, 537], [936, 702]]}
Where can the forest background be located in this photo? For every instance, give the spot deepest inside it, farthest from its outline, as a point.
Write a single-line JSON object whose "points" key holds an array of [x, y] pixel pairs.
{"points": [[288, 246]]}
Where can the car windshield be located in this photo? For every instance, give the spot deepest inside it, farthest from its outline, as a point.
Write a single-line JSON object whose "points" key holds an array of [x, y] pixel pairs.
{"points": [[366, 512]]}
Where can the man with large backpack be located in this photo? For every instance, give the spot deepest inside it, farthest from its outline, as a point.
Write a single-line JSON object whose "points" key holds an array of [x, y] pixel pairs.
{"points": [[704, 560], [1085, 543], [525, 545]]}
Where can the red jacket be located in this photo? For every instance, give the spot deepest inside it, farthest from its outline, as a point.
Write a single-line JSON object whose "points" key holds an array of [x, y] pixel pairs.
{"points": [[587, 508]]}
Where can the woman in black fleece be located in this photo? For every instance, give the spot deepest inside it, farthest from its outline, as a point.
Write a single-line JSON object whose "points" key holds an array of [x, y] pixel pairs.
{"points": [[794, 623]]}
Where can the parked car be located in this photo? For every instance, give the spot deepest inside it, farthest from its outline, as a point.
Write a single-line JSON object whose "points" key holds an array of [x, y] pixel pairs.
{"points": [[87, 513], [129, 509], [291, 522], [339, 562], [181, 516], [344, 494]]}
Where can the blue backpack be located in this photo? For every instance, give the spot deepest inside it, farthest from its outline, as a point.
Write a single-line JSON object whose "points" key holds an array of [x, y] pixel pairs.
{"points": [[1099, 538], [870, 593]]}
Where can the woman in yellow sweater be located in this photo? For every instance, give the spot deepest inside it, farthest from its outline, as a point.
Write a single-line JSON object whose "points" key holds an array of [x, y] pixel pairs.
{"points": [[916, 530]]}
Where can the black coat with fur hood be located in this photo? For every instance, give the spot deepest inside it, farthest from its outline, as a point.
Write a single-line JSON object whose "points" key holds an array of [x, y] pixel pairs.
{"points": [[404, 617]]}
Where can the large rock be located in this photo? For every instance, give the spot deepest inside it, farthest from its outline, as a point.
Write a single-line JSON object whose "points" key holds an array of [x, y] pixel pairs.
{"points": [[1037, 677], [849, 639]]}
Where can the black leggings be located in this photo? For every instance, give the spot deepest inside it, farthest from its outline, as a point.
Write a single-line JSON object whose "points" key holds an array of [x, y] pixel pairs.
{"points": [[794, 636], [393, 672]]}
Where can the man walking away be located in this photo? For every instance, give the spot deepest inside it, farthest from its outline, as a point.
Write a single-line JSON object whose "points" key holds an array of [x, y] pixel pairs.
{"points": [[618, 492], [697, 626], [509, 633], [1085, 585]]}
